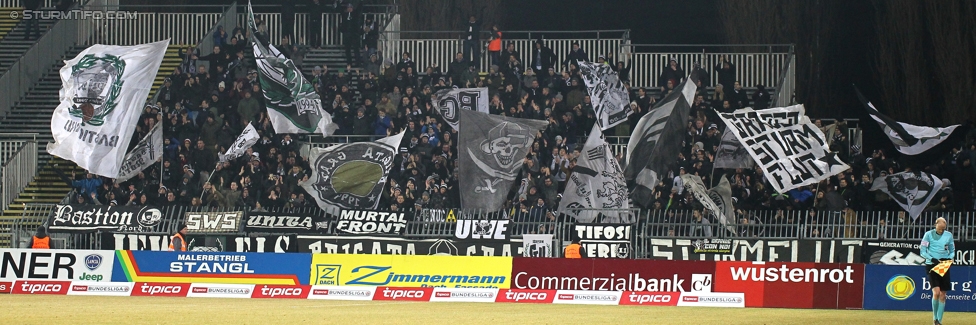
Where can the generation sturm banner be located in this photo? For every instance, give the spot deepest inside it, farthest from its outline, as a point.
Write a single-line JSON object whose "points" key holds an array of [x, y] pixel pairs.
{"points": [[213, 222], [403, 246], [761, 250], [605, 240], [791, 151], [285, 223], [366, 222], [196, 267], [90, 218], [56, 265], [793, 285], [900, 287], [907, 253], [411, 271]]}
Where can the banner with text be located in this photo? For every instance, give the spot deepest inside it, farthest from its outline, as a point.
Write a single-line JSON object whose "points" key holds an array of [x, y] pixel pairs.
{"points": [[903, 287], [214, 222], [285, 223], [605, 240], [73, 218], [793, 285], [55, 265], [403, 246], [411, 271], [189, 267], [906, 253], [367, 222], [760, 250]]}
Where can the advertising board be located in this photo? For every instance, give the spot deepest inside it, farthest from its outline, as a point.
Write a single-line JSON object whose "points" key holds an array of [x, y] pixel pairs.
{"points": [[65, 265], [793, 285], [904, 287], [198, 267], [411, 271], [611, 275]]}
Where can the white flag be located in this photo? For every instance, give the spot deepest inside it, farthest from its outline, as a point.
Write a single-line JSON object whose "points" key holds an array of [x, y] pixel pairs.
{"points": [[103, 92], [596, 183], [449, 101], [911, 190], [247, 139], [609, 96], [717, 200], [145, 154]]}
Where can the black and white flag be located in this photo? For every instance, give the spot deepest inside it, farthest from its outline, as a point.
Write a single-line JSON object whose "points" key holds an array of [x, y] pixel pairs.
{"points": [[731, 153], [912, 190], [717, 200], [656, 141], [791, 151], [610, 98], [596, 184], [292, 103], [351, 175], [908, 139], [247, 139], [145, 154], [537, 245], [449, 101], [494, 148]]}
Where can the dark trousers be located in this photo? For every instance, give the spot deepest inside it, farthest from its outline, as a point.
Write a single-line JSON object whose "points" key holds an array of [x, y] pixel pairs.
{"points": [[471, 47], [288, 28], [314, 33], [351, 43], [32, 24]]}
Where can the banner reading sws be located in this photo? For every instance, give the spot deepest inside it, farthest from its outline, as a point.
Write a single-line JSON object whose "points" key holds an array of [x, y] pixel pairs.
{"points": [[195, 267], [411, 271]]}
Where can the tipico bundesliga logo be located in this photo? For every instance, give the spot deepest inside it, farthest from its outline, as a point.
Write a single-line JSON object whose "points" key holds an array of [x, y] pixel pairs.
{"points": [[900, 287]]}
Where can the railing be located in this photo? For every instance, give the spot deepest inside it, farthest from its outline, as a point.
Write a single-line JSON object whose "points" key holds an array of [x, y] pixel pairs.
{"points": [[440, 47], [17, 171], [205, 44], [149, 27], [329, 31], [787, 85], [20, 3], [751, 69]]}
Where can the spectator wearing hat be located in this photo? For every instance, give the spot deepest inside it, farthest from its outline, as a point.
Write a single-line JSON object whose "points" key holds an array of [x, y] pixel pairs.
{"points": [[577, 54]]}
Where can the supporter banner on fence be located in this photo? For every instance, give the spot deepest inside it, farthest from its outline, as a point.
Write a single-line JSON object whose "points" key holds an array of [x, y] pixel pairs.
{"points": [[449, 101], [482, 229], [911, 190], [900, 287], [72, 218], [104, 90], [411, 271], [351, 175], [731, 153], [791, 151], [762, 250], [214, 222], [609, 96], [403, 246], [656, 141], [241, 244], [612, 275], [247, 139], [908, 139], [537, 245], [292, 103], [605, 240], [61, 265], [368, 222], [597, 182], [907, 253], [793, 285], [494, 148], [190, 267], [145, 154], [713, 246], [285, 223], [136, 241]]}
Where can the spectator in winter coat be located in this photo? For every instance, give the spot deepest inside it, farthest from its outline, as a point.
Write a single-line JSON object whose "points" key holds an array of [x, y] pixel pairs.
{"points": [[726, 72], [542, 58], [761, 98], [672, 73], [577, 54], [383, 124]]}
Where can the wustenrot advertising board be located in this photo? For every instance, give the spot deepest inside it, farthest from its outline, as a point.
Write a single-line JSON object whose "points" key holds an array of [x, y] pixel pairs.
{"points": [[907, 287], [411, 271], [793, 285], [201, 267]]}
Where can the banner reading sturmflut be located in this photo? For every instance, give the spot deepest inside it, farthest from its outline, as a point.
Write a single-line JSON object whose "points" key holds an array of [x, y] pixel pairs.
{"points": [[608, 94], [103, 92], [145, 154], [449, 101], [791, 151], [597, 182], [911, 190], [292, 103], [492, 151], [351, 175]]}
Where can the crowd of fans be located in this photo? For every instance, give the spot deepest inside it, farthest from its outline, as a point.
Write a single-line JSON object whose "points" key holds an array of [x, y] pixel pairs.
{"points": [[203, 109]]}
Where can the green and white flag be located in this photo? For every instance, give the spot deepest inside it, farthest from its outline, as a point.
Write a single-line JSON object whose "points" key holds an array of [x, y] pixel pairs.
{"points": [[293, 106], [103, 93]]}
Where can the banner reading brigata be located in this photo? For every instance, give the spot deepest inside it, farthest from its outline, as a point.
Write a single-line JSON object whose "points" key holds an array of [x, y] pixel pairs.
{"points": [[899, 287], [74, 218], [793, 285], [403, 246], [195, 267], [61, 265], [411, 271]]}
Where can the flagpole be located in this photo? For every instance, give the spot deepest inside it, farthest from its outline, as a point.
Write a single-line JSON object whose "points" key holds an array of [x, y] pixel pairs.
{"points": [[208, 179]]}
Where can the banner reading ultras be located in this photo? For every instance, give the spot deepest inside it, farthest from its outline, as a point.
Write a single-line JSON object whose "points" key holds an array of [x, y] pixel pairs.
{"points": [[411, 271], [190, 267]]}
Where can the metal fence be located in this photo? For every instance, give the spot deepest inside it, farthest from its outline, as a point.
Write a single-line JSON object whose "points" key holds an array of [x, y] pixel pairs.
{"points": [[17, 171], [149, 27], [329, 30]]}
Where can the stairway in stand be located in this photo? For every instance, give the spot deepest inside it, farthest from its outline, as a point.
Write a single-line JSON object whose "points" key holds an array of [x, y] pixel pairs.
{"points": [[12, 43]]}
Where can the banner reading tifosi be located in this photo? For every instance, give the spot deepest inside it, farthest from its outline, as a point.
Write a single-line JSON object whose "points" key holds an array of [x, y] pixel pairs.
{"points": [[194, 267], [411, 271]]}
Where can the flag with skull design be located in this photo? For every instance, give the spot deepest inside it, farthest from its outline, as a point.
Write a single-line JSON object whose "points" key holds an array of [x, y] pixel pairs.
{"points": [[911, 190], [493, 150]]}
